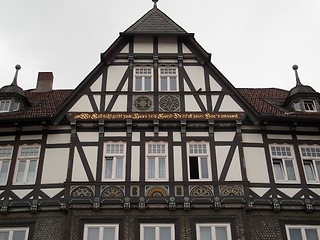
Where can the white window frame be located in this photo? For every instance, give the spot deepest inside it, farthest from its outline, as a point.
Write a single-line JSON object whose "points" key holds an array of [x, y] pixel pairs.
{"points": [[3, 159], [307, 103], [311, 155], [143, 73], [28, 159], [213, 227], [157, 156], [11, 231], [114, 156], [282, 155], [302, 229], [168, 74], [200, 157], [101, 228], [157, 227], [8, 103]]}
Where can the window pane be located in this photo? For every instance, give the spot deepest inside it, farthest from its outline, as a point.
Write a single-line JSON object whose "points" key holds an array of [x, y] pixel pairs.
{"points": [[204, 168], [221, 233], [318, 168], [173, 83], [205, 233], [149, 233], [93, 233], [162, 167], [295, 234], [4, 171], [138, 83], [309, 171], [32, 171], [194, 168], [165, 233], [278, 171], [147, 83], [151, 167], [109, 233], [4, 235], [163, 83], [19, 235], [108, 170], [21, 168], [119, 167], [312, 234], [290, 170]]}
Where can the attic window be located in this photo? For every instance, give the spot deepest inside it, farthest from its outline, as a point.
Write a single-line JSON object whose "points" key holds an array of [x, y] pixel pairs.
{"points": [[9, 105], [309, 106]]}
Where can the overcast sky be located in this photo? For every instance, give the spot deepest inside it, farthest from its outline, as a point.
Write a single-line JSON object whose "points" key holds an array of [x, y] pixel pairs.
{"points": [[254, 43]]}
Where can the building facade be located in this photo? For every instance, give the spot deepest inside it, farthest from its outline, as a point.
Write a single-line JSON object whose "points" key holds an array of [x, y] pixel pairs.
{"points": [[155, 143]]}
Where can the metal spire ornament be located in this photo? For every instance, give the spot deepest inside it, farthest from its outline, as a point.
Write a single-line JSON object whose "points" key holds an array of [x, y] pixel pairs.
{"points": [[155, 3]]}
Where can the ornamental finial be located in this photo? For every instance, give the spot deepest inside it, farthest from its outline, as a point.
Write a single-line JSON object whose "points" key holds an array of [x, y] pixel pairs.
{"points": [[15, 79], [155, 3], [295, 68]]}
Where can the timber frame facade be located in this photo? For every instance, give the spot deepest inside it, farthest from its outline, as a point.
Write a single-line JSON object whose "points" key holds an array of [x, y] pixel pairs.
{"points": [[155, 143]]}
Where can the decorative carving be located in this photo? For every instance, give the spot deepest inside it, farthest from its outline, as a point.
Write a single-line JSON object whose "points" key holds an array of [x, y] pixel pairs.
{"points": [[126, 204], [82, 191], [179, 191], [172, 204], [217, 203], [134, 191], [142, 103], [231, 190], [142, 204], [309, 207], [169, 103], [186, 204], [276, 205], [157, 191], [112, 191], [201, 191], [96, 204]]}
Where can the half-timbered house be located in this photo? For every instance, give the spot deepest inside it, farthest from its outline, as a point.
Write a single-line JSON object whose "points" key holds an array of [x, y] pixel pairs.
{"points": [[156, 144]]}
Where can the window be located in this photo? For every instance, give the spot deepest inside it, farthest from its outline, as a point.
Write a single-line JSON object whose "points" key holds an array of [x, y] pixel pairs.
{"points": [[157, 232], [199, 163], [303, 232], [143, 79], [26, 168], [101, 232], [9, 105], [206, 231], [284, 168], [114, 161], [5, 157], [14, 233], [157, 162], [168, 79], [309, 106], [311, 163]]}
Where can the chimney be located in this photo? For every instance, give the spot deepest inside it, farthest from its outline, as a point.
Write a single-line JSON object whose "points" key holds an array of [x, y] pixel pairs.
{"points": [[45, 82]]}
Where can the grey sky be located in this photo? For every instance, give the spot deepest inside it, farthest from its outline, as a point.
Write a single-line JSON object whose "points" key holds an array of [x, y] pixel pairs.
{"points": [[254, 43]]}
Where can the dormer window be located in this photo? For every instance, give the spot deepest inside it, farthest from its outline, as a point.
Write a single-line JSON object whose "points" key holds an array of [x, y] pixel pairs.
{"points": [[309, 106], [9, 105]]}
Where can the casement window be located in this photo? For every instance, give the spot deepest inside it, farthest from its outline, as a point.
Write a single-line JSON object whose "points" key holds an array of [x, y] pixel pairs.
{"points": [[309, 106], [157, 161], [284, 165], [303, 232], [143, 79], [168, 79], [207, 231], [27, 163], [101, 232], [9, 105], [14, 233], [311, 163], [114, 162], [199, 161], [157, 232], [5, 158]]}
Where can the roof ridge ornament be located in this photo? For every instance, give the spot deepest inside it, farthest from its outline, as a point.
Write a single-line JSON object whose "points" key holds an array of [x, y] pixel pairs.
{"points": [[15, 79], [155, 3], [298, 82]]}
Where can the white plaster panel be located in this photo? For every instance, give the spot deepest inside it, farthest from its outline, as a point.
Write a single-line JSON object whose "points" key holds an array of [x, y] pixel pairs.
{"points": [[115, 134], [82, 105], [163, 134], [176, 136], [177, 158], [115, 74], [58, 138], [31, 137], [214, 85], [307, 137], [97, 99], [260, 191], [135, 163], [91, 155], [136, 136], [196, 75], [55, 165], [256, 164], [214, 99], [229, 105], [290, 192], [204, 101], [143, 44], [78, 172], [149, 134], [96, 86], [197, 134], [167, 44], [224, 136], [252, 138], [121, 104], [278, 136], [185, 49], [234, 172], [125, 49], [51, 192], [88, 136], [191, 104], [315, 190], [221, 152], [7, 138], [22, 193]]}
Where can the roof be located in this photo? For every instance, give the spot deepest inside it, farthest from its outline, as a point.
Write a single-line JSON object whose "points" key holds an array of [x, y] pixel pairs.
{"points": [[155, 22]]}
